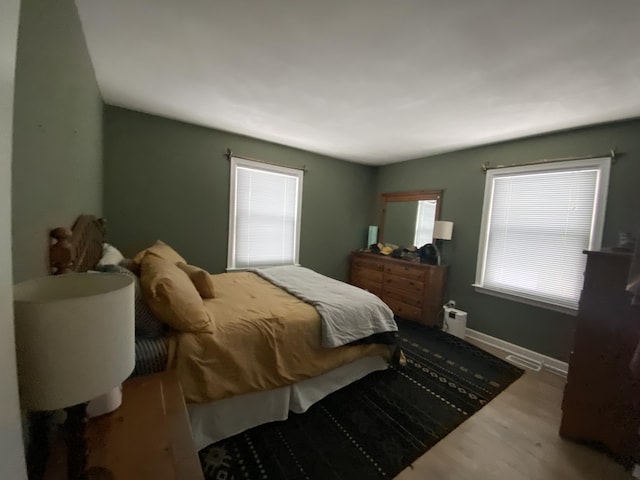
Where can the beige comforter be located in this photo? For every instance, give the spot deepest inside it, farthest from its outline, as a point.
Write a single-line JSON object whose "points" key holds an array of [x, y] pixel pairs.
{"points": [[261, 338]]}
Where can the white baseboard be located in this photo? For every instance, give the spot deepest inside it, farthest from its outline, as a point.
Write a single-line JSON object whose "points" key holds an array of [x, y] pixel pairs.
{"points": [[551, 364]]}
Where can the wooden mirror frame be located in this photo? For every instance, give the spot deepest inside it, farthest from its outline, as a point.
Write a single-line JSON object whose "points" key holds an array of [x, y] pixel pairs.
{"points": [[410, 196]]}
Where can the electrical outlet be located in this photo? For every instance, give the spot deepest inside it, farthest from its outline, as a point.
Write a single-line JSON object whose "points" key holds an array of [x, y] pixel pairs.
{"points": [[451, 304]]}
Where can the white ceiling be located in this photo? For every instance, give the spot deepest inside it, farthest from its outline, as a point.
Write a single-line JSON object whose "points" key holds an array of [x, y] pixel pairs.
{"points": [[373, 81]]}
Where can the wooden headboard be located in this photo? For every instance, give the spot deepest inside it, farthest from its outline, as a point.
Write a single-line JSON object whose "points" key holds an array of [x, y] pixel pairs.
{"points": [[78, 249]]}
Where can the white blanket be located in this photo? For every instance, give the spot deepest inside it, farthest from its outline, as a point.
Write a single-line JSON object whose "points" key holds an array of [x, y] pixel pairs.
{"points": [[348, 313]]}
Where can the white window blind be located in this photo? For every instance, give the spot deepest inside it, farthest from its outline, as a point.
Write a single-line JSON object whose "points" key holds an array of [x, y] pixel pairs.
{"points": [[264, 216], [537, 220]]}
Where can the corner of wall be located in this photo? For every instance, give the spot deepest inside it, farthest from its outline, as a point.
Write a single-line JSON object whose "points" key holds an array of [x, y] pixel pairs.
{"points": [[12, 464], [57, 137]]}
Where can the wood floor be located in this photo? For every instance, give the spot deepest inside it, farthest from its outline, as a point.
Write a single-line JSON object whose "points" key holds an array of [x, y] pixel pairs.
{"points": [[515, 437]]}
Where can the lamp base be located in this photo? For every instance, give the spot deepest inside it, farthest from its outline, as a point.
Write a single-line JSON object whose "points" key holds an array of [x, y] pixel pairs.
{"points": [[437, 245], [106, 403], [76, 443]]}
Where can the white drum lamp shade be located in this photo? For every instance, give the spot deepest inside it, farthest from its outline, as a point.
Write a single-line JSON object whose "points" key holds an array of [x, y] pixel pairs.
{"points": [[74, 337], [442, 230]]}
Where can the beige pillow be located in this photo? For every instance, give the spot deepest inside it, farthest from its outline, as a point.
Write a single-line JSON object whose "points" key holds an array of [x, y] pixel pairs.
{"points": [[162, 250], [200, 278], [172, 296]]}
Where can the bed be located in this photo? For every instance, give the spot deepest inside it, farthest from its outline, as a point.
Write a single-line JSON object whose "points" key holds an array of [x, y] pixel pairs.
{"points": [[233, 382]]}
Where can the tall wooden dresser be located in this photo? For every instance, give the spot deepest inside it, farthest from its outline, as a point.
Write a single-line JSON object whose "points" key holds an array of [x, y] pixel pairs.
{"points": [[601, 401], [412, 290]]}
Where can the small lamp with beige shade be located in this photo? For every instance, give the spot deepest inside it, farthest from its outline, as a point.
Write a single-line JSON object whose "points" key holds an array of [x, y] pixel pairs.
{"points": [[442, 230], [74, 342]]}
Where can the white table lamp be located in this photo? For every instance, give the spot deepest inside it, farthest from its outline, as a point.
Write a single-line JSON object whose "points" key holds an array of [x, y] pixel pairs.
{"points": [[74, 342], [442, 230]]}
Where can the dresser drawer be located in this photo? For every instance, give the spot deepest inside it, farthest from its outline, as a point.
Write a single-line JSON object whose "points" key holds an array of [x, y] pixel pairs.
{"points": [[403, 284], [367, 273], [368, 285], [406, 271], [370, 263], [403, 296], [403, 310]]}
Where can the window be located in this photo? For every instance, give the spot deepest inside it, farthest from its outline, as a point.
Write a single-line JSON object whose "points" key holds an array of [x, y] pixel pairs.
{"points": [[536, 222], [264, 215], [425, 221]]}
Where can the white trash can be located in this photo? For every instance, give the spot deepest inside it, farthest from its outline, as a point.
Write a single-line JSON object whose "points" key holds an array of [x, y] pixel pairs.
{"points": [[455, 322]]}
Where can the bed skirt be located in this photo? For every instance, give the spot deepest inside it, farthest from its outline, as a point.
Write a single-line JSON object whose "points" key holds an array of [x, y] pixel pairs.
{"points": [[212, 422]]}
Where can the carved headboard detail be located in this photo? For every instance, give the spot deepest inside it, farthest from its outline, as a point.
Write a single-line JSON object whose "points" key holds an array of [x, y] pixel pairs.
{"points": [[78, 249]]}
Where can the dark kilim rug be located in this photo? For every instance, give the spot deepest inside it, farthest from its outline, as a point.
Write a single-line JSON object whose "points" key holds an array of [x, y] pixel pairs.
{"points": [[375, 427]]}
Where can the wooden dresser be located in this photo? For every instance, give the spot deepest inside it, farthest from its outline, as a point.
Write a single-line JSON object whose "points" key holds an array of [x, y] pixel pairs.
{"points": [[601, 401], [412, 290]]}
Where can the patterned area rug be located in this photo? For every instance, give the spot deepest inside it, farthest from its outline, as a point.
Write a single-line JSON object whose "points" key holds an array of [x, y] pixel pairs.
{"points": [[375, 427]]}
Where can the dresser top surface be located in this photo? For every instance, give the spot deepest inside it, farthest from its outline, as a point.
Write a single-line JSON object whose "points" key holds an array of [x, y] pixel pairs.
{"points": [[390, 259], [609, 252]]}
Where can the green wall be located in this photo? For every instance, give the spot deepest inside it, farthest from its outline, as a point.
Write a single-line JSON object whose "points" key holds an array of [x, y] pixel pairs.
{"points": [[460, 175], [57, 132], [169, 180]]}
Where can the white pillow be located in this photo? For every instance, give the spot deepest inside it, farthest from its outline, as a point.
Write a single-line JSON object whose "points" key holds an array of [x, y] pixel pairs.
{"points": [[110, 255]]}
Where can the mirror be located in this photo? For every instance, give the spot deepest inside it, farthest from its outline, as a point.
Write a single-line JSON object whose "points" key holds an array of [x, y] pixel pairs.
{"points": [[408, 217]]}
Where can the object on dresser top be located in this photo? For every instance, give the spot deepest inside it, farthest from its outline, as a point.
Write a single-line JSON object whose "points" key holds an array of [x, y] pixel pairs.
{"points": [[411, 254], [412, 290], [429, 254], [372, 236], [388, 249], [442, 230]]}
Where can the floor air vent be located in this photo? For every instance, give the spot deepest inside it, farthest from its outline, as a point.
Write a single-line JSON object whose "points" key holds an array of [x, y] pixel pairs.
{"points": [[525, 362]]}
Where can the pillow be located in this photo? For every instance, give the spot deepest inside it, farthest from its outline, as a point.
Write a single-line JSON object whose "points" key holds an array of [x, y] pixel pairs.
{"points": [[110, 255], [162, 250], [200, 278], [171, 295], [147, 324]]}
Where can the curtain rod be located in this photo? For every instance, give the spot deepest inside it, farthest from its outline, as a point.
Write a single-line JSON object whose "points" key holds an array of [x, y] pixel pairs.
{"points": [[230, 154], [612, 153]]}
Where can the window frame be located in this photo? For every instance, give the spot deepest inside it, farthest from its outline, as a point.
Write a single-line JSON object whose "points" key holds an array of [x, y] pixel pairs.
{"points": [[236, 162], [602, 164]]}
